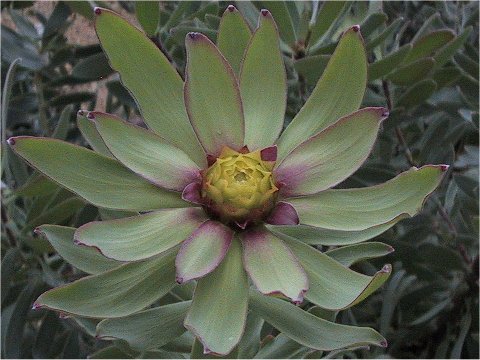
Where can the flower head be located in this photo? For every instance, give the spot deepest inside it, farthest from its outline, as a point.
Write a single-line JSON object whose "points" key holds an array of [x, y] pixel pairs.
{"points": [[239, 187], [221, 191]]}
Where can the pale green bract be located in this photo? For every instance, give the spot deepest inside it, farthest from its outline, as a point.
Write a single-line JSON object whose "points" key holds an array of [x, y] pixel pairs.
{"points": [[236, 223]]}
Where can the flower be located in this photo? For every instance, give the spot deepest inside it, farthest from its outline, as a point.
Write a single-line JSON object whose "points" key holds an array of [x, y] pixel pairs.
{"points": [[222, 191]]}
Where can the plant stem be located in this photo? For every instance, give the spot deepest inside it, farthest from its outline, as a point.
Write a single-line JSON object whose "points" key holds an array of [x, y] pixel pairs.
{"points": [[398, 131]]}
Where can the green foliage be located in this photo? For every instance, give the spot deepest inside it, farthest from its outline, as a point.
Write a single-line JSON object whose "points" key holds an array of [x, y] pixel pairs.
{"points": [[423, 65]]}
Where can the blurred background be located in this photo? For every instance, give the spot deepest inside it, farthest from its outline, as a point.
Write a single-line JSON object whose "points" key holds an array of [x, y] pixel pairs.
{"points": [[424, 65]]}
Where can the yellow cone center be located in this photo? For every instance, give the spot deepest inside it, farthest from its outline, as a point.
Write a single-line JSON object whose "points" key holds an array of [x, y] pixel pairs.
{"points": [[239, 187]]}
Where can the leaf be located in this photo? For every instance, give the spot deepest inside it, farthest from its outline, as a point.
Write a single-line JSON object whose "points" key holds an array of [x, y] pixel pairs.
{"points": [[338, 93], [57, 20], [386, 65], [250, 342], [152, 80], [178, 33], [411, 73], [444, 54], [327, 15], [283, 19], [203, 251], [100, 180], [319, 236], [272, 267], [23, 24], [465, 324], [349, 255], [222, 294], [281, 347], [372, 23], [249, 11], [362, 208], [13, 47], [140, 237], [342, 288], [207, 75], [6, 94], [11, 263], [73, 98], [263, 72], [16, 325], [94, 67], [148, 15], [310, 330], [118, 292], [42, 348], [83, 258], [429, 44], [332, 155], [468, 65], [56, 214], [380, 38], [90, 133], [233, 26], [121, 93], [63, 125], [416, 94], [148, 329], [146, 153], [311, 68], [446, 76], [83, 7], [110, 352]]}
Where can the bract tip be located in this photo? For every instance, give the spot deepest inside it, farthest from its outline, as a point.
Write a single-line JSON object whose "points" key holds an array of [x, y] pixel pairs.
{"points": [[193, 35], [265, 12], [269, 153], [387, 268], [91, 116], [356, 28], [231, 8], [97, 10], [11, 141]]}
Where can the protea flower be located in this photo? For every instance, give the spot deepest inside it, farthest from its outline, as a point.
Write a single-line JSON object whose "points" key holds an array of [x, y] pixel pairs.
{"points": [[222, 193]]}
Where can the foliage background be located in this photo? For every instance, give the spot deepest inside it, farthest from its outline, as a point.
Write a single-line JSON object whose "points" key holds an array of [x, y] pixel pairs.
{"points": [[428, 308]]}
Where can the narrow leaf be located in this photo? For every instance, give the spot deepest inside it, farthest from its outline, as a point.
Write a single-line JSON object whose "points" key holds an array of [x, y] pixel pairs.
{"points": [[339, 92], [263, 72], [370, 206], [153, 81], [203, 251], [349, 255], [140, 237], [233, 26], [329, 157], [342, 287], [309, 330], [100, 180], [209, 78], [146, 153], [148, 329], [115, 293], [221, 295], [272, 266]]}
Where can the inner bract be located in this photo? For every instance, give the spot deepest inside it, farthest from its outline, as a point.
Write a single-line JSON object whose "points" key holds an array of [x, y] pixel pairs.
{"points": [[239, 187]]}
